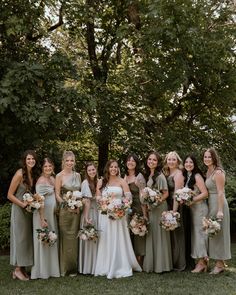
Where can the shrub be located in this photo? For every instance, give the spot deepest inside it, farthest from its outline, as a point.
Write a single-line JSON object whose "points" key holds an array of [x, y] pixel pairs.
{"points": [[5, 213]]}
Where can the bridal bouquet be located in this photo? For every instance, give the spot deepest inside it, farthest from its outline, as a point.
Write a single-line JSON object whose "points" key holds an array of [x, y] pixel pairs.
{"points": [[184, 195], [46, 236], [211, 226], [138, 225], [34, 202], [103, 202], [88, 233], [151, 197], [116, 209], [72, 200], [170, 220]]}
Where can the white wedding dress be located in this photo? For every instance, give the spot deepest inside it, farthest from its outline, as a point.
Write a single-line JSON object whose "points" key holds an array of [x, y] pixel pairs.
{"points": [[115, 256]]}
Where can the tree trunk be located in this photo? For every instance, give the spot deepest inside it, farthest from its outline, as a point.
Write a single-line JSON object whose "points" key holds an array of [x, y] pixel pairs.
{"points": [[103, 150]]}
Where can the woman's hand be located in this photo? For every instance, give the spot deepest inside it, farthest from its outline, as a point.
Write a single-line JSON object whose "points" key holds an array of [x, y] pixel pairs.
{"points": [[220, 215], [43, 223]]}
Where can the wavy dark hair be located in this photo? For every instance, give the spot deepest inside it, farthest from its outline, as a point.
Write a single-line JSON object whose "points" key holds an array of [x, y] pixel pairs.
{"points": [[106, 172], [196, 170], [158, 169], [35, 171], [136, 159], [92, 182]]}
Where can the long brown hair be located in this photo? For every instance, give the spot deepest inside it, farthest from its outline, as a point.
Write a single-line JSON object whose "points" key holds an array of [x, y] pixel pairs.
{"points": [[215, 157], [35, 171], [106, 175], [92, 182]]}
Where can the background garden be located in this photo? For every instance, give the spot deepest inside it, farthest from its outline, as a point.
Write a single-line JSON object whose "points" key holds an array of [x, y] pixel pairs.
{"points": [[103, 78]]}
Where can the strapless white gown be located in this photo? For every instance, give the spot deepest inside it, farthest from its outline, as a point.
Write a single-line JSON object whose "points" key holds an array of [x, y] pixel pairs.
{"points": [[115, 256]]}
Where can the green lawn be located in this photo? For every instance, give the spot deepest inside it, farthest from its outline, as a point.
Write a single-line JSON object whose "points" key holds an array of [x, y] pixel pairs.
{"points": [[141, 283]]}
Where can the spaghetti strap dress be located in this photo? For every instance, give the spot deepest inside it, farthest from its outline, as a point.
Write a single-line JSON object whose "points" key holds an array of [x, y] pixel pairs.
{"points": [[21, 237], [178, 235], [219, 245]]}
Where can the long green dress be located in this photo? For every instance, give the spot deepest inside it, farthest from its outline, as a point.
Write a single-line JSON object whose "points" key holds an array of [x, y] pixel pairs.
{"points": [[88, 249], [46, 260], [219, 245], [21, 240], [139, 243], [158, 245], [199, 240], [69, 224], [177, 235]]}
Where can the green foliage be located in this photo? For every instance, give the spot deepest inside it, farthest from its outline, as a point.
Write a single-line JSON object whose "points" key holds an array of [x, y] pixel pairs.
{"points": [[230, 191], [5, 213]]}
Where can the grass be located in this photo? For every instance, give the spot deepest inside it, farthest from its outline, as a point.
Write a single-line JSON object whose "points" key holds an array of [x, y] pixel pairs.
{"points": [[141, 283]]}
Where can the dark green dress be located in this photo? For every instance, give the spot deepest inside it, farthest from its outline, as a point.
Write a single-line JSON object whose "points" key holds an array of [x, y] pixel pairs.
{"points": [[177, 235], [138, 242]]}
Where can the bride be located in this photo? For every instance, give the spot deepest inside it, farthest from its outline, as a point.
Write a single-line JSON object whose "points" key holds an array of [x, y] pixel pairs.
{"points": [[115, 257]]}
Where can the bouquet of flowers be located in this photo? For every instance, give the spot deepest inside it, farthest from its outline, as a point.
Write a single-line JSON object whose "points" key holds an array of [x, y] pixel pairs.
{"points": [[103, 202], [46, 236], [88, 233], [184, 195], [211, 226], [138, 225], [170, 220], [116, 209], [151, 197], [72, 200], [34, 202]]}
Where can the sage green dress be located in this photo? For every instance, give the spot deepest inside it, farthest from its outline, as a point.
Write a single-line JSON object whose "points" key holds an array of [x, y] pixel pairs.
{"points": [[46, 260], [88, 249], [219, 245], [21, 238], [199, 240], [69, 224], [158, 256], [178, 235]]}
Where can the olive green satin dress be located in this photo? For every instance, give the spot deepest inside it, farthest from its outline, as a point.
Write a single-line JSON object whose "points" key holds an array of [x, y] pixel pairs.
{"points": [[69, 224]]}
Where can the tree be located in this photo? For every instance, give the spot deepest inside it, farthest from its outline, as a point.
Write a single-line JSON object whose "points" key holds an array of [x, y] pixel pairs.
{"points": [[34, 95], [187, 74]]}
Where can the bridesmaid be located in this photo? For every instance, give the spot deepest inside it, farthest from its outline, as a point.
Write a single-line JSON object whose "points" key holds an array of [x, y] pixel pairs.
{"points": [[175, 180], [69, 220], [21, 241], [193, 179], [88, 249], [46, 263], [115, 257], [219, 245], [136, 183], [158, 245]]}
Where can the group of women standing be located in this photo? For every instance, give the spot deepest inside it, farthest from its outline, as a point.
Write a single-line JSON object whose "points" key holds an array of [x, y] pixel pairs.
{"points": [[117, 253]]}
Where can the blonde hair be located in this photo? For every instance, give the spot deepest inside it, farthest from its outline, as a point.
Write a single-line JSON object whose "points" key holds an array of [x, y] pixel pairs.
{"points": [[166, 169], [65, 155]]}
